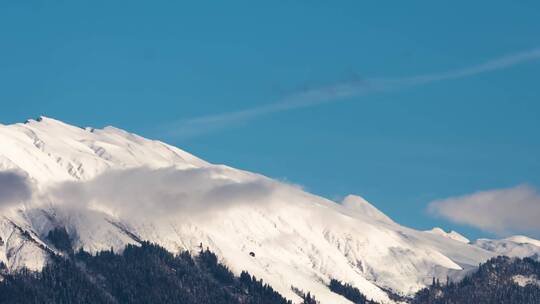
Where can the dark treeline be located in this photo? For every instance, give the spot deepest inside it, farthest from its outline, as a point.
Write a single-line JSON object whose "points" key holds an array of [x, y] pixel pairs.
{"points": [[307, 298], [493, 283], [350, 292], [140, 274]]}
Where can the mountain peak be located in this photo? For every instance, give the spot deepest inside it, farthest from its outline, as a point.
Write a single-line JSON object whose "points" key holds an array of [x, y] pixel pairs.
{"points": [[48, 122], [361, 206], [50, 150], [451, 235], [43, 119]]}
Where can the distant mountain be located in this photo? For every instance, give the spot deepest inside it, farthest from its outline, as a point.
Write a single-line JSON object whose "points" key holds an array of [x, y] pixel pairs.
{"points": [[110, 188], [515, 246]]}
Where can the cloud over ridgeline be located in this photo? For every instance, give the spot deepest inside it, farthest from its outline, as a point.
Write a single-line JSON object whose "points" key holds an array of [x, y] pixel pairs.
{"points": [[500, 211], [15, 187], [196, 126], [157, 193]]}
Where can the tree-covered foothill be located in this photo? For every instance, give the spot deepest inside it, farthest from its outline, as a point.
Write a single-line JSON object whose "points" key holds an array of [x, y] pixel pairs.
{"points": [[500, 280], [140, 274]]}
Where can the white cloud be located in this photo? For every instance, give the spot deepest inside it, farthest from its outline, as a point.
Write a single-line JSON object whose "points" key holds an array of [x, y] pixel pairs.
{"points": [[14, 188], [327, 94], [501, 211], [158, 193]]}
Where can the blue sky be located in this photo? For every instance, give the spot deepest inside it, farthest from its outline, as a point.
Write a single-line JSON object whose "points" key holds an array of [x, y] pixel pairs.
{"points": [[149, 67]]}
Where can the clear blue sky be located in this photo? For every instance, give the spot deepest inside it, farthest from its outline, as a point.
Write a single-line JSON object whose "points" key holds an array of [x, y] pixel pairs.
{"points": [[143, 65]]}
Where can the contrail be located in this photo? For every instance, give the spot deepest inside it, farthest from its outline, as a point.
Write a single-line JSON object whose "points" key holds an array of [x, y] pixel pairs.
{"points": [[327, 94]]}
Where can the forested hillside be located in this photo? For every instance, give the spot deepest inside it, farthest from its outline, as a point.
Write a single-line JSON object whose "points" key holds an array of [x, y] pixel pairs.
{"points": [[140, 274], [501, 280]]}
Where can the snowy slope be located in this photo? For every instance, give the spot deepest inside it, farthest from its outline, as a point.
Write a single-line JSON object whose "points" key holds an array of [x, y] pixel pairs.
{"points": [[110, 188]]}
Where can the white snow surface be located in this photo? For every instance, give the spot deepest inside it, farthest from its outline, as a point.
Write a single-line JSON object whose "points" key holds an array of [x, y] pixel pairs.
{"points": [[110, 188], [451, 235], [515, 246]]}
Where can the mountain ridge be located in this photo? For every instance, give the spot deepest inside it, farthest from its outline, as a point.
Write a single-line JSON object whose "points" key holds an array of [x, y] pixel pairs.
{"points": [[111, 188]]}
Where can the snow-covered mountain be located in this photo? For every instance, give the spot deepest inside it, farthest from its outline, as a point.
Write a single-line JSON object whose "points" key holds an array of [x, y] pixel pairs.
{"points": [[110, 188], [515, 246]]}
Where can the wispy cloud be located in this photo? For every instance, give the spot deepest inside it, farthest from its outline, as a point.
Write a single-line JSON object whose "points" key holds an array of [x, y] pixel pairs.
{"points": [[336, 92], [500, 211]]}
